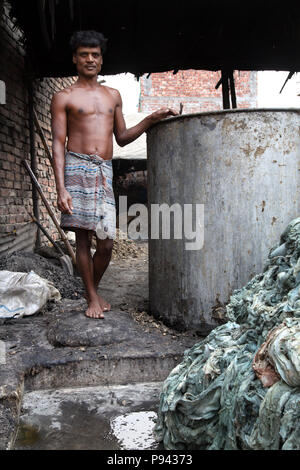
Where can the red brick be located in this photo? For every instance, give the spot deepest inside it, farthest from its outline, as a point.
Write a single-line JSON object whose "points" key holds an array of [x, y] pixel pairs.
{"points": [[15, 184], [199, 84]]}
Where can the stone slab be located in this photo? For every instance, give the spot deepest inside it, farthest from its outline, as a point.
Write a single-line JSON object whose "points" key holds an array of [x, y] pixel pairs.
{"points": [[75, 329]]}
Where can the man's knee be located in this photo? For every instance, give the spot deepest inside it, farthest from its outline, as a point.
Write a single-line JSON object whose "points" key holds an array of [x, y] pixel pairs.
{"points": [[83, 238], [104, 247]]}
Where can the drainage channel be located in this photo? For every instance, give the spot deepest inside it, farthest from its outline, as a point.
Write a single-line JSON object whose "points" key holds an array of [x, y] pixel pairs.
{"points": [[106, 417]]}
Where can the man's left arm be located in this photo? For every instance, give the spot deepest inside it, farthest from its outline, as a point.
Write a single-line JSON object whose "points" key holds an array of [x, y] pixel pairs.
{"points": [[125, 136]]}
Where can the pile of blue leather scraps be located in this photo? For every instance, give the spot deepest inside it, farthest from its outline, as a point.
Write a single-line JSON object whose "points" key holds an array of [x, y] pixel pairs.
{"points": [[240, 387]]}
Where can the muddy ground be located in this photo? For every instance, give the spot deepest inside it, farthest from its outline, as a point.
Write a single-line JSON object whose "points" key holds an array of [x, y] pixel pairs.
{"points": [[129, 260]]}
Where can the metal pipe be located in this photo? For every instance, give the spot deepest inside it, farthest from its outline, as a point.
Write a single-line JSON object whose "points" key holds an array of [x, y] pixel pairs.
{"points": [[33, 162]]}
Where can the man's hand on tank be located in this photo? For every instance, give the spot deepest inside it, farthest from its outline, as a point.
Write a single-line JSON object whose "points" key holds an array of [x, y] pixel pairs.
{"points": [[162, 113], [64, 202]]}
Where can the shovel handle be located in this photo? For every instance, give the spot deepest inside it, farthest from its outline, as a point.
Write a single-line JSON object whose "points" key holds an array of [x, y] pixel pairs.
{"points": [[42, 135], [58, 248], [50, 211]]}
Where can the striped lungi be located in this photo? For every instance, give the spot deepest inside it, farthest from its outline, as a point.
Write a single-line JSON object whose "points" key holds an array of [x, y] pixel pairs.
{"points": [[88, 179]]}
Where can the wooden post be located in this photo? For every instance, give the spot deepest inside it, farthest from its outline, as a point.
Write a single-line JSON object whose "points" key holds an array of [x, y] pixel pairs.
{"points": [[225, 89], [35, 199], [232, 90]]}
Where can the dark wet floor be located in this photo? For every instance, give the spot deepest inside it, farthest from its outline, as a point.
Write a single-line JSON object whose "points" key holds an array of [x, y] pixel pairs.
{"points": [[90, 418]]}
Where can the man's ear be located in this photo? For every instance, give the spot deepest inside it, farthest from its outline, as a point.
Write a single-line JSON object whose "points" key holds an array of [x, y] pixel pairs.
{"points": [[74, 59]]}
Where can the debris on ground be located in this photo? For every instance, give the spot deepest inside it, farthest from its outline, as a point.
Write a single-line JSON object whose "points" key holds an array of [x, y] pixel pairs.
{"points": [[70, 287], [124, 247], [148, 322], [45, 263], [239, 387]]}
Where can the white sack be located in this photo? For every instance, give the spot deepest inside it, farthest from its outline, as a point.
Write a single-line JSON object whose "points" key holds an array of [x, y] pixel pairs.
{"points": [[24, 293]]}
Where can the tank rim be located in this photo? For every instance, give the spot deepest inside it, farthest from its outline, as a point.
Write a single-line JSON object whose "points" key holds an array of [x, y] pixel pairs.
{"points": [[224, 112]]}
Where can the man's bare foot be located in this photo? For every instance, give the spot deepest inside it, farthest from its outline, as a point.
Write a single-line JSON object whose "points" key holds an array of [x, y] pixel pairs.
{"points": [[104, 305], [94, 310]]}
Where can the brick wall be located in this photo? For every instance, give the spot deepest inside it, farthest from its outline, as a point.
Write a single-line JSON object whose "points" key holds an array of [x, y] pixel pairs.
{"points": [[44, 91], [195, 89], [15, 184]]}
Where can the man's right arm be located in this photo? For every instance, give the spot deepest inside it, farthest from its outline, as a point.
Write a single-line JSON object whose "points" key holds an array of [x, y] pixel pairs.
{"points": [[123, 135], [59, 134]]}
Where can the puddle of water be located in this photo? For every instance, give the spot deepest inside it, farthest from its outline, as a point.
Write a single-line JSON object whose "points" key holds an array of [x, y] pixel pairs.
{"points": [[91, 418], [134, 431], [28, 435]]}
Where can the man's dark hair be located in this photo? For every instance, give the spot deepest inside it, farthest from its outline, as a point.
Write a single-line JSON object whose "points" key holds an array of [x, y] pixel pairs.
{"points": [[88, 39]]}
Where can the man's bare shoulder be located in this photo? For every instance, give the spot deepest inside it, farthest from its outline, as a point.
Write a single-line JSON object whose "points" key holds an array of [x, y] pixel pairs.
{"points": [[61, 97], [112, 91]]}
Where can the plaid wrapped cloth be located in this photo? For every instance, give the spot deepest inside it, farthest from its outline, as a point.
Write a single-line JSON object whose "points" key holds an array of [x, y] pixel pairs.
{"points": [[88, 179]]}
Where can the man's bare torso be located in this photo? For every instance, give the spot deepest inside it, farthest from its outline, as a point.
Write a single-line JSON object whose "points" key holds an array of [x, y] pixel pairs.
{"points": [[90, 119]]}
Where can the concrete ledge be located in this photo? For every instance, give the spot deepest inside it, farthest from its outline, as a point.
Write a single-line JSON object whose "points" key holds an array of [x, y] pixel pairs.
{"points": [[113, 371], [38, 365]]}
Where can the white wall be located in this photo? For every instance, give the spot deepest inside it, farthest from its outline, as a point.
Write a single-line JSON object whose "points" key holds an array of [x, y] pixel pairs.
{"points": [[269, 84], [129, 88]]}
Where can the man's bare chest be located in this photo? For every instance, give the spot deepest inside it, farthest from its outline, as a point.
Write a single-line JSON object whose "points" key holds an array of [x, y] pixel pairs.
{"points": [[90, 105]]}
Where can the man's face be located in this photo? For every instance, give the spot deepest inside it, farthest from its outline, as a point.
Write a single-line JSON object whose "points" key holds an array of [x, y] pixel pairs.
{"points": [[88, 60]]}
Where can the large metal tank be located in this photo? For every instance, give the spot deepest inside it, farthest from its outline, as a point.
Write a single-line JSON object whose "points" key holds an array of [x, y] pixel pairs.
{"points": [[243, 167]]}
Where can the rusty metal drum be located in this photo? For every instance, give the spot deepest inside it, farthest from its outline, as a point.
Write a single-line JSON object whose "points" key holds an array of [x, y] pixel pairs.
{"points": [[241, 168]]}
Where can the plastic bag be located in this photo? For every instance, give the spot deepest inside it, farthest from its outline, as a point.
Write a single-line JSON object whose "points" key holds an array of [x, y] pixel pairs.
{"points": [[24, 293]]}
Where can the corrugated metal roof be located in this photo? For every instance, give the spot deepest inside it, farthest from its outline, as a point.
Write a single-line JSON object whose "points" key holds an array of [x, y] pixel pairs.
{"points": [[165, 35]]}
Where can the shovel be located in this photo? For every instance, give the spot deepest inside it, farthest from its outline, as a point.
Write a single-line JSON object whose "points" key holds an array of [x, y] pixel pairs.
{"points": [[64, 259]]}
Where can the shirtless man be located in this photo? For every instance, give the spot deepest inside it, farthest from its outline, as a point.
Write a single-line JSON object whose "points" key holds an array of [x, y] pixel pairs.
{"points": [[87, 114]]}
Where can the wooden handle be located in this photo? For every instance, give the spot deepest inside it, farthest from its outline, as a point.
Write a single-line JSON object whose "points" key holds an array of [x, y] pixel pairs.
{"points": [[50, 211], [58, 248], [42, 136]]}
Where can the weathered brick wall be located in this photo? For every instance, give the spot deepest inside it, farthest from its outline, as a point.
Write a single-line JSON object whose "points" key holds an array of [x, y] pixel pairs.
{"points": [[15, 184], [44, 91], [195, 89]]}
